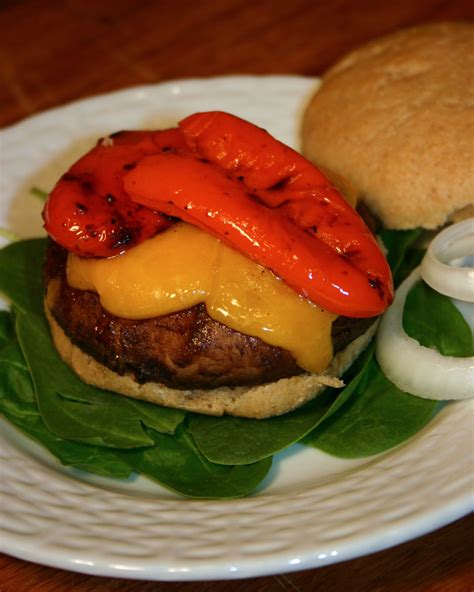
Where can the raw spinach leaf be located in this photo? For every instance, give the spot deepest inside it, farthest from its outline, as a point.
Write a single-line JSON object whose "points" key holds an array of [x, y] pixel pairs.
{"points": [[9, 235], [18, 405], [39, 193], [93, 459], [176, 463], [377, 416], [412, 259], [20, 274], [433, 320], [398, 244], [235, 440], [6, 327], [239, 441], [74, 410], [17, 395]]}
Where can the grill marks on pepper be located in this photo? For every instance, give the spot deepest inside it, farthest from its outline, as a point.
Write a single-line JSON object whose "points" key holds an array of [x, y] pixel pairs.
{"points": [[126, 227], [81, 207], [85, 183], [281, 184], [312, 230], [70, 177], [87, 187], [91, 230], [122, 237], [376, 284]]}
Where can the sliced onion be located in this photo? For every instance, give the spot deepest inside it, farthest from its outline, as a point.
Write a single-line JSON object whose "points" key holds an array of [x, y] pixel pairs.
{"points": [[416, 369], [441, 267]]}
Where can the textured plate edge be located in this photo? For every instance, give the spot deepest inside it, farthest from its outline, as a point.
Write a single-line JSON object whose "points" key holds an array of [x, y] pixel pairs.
{"points": [[144, 88], [424, 525]]}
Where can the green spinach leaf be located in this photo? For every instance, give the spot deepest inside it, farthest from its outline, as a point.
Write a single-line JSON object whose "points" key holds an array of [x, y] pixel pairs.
{"points": [[17, 395], [105, 462], [235, 440], [433, 320], [377, 416], [20, 274], [177, 464], [83, 413], [6, 327], [402, 255], [18, 405], [239, 441], [39, 193]]}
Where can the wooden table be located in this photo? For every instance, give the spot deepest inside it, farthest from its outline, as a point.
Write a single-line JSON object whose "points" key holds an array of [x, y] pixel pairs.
{"points": [[54, 51]]}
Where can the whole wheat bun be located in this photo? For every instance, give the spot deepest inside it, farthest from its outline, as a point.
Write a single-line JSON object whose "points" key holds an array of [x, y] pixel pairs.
{"points": [[262, 401], [396, 117]]}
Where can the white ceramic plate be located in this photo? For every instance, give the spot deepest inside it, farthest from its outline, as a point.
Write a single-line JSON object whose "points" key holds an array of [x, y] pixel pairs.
{"points": [[313, 510]]}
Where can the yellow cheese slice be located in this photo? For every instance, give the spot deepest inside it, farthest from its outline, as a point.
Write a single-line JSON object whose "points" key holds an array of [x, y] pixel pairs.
{"points": [[185, 266]]}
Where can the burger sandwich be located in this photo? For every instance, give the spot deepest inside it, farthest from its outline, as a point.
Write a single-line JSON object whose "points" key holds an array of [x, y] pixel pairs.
{"points": [[210, 268]]}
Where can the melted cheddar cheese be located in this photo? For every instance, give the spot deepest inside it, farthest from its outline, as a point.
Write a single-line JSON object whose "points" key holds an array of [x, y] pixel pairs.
{"points": [[185, 266]]}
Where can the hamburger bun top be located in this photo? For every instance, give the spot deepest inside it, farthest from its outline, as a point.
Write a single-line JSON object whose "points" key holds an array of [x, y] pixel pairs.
{"points": [[396, 117]]}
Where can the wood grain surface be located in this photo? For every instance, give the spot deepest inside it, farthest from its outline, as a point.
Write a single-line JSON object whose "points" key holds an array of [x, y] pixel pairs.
{"points": [[55, 51]]}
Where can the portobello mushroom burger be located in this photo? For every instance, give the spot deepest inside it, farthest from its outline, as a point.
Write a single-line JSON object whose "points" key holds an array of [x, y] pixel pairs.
{"points": [[209, 267]]}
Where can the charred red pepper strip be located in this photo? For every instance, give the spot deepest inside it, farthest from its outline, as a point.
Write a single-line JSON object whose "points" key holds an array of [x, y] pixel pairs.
{"points": [[88, 211], [305, 214], [202, 194], [285, 181], [245, 150]]}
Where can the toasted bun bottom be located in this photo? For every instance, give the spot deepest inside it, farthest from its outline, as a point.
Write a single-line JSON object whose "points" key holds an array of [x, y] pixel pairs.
{"points": [[258, 402]]}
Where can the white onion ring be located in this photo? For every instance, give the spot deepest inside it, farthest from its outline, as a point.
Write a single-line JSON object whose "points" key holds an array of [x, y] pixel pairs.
{"points": [[452, 243], [416, 369]]}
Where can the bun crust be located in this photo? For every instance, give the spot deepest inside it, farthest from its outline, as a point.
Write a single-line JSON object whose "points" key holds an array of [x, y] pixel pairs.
{"points": [[396, 117], [258, 402]]}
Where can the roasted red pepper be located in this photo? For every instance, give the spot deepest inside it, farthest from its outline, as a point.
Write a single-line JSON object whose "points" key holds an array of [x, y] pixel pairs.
{"points": [[88, 211], [234, 180], [285, 181], [270, 203]]}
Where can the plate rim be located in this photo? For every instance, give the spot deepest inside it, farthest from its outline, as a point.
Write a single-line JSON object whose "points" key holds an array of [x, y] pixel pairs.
{"points": [[144, 88]]}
